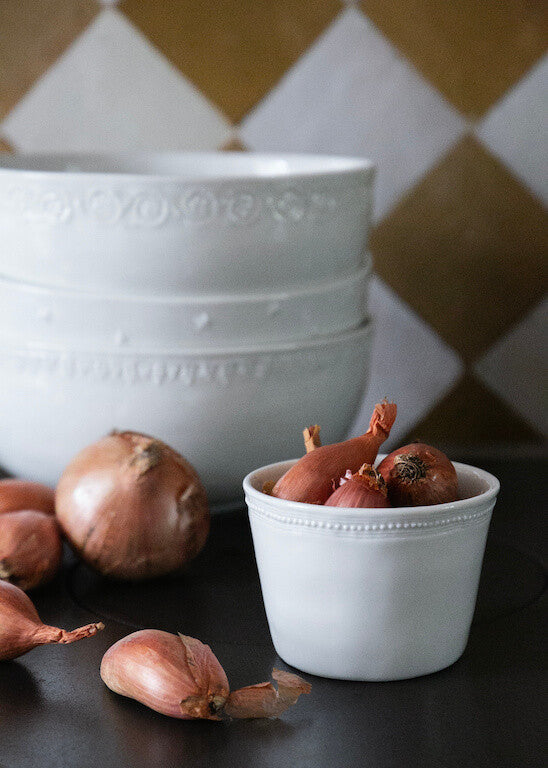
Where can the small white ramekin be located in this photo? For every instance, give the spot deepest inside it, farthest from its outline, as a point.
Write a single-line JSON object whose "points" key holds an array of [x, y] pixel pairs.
{"points": [[370, 594]]}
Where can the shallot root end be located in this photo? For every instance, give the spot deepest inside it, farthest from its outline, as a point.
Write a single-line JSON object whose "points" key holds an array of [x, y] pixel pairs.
{"points": [[79, 634]]}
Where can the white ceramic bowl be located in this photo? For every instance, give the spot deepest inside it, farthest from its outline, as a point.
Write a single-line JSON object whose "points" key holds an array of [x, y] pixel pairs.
{"points": [[224, 410], [37, 315], [370, 594], [183, 222]]}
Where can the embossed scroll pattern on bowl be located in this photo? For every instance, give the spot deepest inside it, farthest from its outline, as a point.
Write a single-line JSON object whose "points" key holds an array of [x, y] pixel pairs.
{"points": [[152, 207]]}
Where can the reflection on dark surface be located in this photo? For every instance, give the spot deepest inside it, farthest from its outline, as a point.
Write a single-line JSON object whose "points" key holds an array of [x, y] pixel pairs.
{"points": [[221, 583], [510, 580], [20, 690], [151, 739]]}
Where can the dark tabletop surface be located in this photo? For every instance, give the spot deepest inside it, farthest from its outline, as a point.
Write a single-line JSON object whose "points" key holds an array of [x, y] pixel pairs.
{"points": [[485, 710]]}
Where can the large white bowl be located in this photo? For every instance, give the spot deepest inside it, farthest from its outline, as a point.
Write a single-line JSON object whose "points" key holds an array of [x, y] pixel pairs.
{"points": [[37, 315], [183, 222], [224, 410], [370, 594]]}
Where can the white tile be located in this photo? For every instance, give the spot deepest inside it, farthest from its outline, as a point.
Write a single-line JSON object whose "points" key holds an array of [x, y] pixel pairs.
{"points": [[112, 90], [411, 364], [516, 368], [515, 129], [353, 93]]}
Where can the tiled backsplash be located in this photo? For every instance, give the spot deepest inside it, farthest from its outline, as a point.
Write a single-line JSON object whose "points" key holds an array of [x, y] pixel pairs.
{"points": [[448, 99]]}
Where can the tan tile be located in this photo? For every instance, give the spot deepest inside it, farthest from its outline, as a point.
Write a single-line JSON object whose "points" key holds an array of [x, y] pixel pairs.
{"points": [[5, 146], [234, 145], [472, 50], [32, 36], [233, 51], [466, 249], [471, 415]]}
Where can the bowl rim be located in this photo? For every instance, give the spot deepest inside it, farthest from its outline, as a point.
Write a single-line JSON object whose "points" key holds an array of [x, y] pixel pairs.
{"points": [[282, 506], [318, 289], [328, 166], [265, 349]]}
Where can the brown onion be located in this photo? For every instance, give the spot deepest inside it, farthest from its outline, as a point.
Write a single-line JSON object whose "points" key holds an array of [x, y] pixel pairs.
{"points": [[30, 548], [23, 494], [418, 474], [132, 507], [365, 489], [21, 629], [311, 478], [181, 677]]}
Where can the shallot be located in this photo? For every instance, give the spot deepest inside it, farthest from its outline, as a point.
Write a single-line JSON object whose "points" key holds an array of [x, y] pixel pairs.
{"points": [[181, 677], [21, 629], [310, 479], [16, 495], [30, 548], [418, 474], [132, 507], [364, 489]]}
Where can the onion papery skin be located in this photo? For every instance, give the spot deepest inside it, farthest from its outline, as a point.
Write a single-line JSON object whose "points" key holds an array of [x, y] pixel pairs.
{"points": [[30, 548], [418, 474], [21, 629], [132, 507], [16, 495], [310, 480], [172, 674], [365, 489]]}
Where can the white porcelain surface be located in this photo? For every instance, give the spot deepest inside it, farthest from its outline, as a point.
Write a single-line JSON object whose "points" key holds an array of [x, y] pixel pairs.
{"points": [[225, 411], [370, 594], [183, 223], [39, 315]]}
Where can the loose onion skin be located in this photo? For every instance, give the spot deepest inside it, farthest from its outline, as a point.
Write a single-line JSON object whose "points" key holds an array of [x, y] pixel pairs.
{"points": [[365, 489], [418, 474], [30, 548], [17, 495], [132, 507], [21, 629]]}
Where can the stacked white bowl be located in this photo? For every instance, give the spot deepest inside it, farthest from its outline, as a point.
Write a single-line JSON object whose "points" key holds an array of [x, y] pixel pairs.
{"points": [[217, 301]]}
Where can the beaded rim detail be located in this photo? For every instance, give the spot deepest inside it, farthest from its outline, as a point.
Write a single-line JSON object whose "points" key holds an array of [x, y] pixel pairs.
{"points": [[387, 528]]}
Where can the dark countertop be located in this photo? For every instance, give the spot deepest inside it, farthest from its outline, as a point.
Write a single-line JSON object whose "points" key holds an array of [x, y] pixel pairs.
{"points": [[485, 710]]}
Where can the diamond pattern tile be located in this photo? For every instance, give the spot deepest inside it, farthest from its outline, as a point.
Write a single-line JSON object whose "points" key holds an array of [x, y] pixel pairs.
{"points": [[233, 51], [109, 73], [466, 249], [32, 35], [234, 145], [352, 93], [523, 113], [516, 368], [410, 364], [472, 416], [472, 50], [447, 98]]}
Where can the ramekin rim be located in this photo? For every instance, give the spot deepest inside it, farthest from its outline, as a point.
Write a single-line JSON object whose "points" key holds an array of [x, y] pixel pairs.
{"points": [[433, 510]]}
